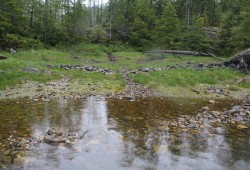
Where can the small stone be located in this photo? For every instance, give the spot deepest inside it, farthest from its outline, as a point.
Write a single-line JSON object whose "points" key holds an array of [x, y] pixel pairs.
{"points": [[129, 97], [240, 118], [237, 108], [144, 69], [200, 65], [242, 114], [24, 142], [206, 108], [191, 126], [211, 101], [54, 140], [242, 126], [50, 132], [217, 91], [215, 113]]}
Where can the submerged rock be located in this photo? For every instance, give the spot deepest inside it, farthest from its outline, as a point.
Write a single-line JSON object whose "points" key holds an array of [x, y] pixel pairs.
{"points": [[53, 139], [60, 136], [238, 114]]}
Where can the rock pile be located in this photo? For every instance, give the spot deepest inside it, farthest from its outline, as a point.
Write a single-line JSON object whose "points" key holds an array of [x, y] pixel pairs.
{"points": [[217, 90], [30, 70], [60, 136], [14, 147], [18, 147], [200, 66], [85, 68]]}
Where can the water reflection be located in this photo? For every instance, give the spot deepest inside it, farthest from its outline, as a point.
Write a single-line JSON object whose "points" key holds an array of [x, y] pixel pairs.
{"points": [[121, 135]]}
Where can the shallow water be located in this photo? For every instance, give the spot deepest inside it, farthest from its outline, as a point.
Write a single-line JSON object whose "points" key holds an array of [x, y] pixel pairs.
{"points": [[121, 134]]}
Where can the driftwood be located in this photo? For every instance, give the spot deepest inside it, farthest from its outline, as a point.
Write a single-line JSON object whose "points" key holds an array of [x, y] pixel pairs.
{"points": [[177, 52], [244, 79], [244, 55], [241, 59]]}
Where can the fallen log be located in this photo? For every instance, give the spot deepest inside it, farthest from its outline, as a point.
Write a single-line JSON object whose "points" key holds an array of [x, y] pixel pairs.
{"points": [[241, 60], [244, 79], [244, 55], [177, 52]]}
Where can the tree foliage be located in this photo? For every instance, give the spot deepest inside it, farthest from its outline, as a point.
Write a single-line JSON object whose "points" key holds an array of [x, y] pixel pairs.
{"points": [[167, 29], [169, 24]]}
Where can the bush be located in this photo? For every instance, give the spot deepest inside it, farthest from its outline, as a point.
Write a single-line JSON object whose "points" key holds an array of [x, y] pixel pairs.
{"points": [[19, 42], [97, 34]]}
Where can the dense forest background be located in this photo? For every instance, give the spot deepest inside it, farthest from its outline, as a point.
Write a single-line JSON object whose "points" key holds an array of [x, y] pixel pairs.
{"points": [[217, 26]]}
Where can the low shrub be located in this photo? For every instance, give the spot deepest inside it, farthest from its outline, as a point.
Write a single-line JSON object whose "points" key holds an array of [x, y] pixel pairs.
{"points": [[19, 42]]}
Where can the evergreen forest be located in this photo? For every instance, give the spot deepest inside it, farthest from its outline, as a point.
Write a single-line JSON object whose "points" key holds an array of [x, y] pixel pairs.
{"points": [[220, 27]]}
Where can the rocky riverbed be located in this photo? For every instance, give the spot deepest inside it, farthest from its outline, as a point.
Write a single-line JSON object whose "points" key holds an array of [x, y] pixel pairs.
{"points": [[16, 147], [238, 115]]}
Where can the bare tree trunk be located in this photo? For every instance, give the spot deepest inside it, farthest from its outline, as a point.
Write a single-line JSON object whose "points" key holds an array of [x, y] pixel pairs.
{"points": [[110, 19], [127, 10], [32, 14], [67, 13], [45, 21], [98, 12], [90, 13], [101, 12], [93, 14], [187, 15], [213, 20], [61, 14]]}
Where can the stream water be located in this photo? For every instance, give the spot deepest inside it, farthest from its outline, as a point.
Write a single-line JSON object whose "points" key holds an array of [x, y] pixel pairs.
{"points": [[120, 134]]}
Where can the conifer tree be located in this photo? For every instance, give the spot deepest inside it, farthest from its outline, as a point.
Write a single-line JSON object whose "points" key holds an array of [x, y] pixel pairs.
{"points": [[142, 25], [167, 28], [195, 38]]}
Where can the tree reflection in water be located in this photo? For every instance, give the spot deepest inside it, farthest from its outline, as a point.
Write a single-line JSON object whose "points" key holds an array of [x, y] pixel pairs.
{"points": [[144, 124], [123, 134]]}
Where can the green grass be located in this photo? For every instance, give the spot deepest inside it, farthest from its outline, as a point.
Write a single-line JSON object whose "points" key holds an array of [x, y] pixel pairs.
{"points": [[13, 78], [187, 77], [84, 54], [41, 58], [172, 60], [244, 85]]}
